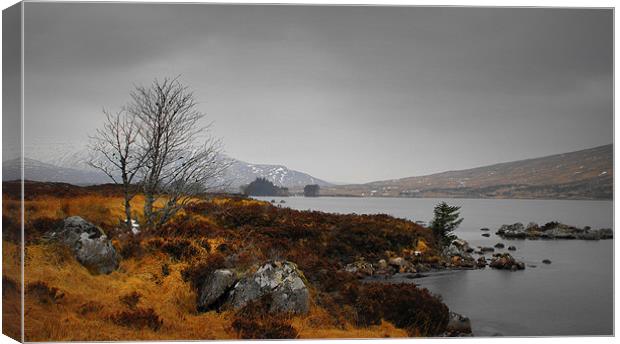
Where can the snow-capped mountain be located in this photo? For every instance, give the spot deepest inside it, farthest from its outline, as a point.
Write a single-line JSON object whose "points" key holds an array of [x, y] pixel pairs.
{"points": [[61, 162], [241, 173]]}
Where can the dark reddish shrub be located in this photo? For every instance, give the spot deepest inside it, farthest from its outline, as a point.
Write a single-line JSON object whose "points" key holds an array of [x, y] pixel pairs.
{"points": [[9, 286], [254, 321], [131, 247], [138, 318], [35, 229], [11, 230], [90, 307], [131, 299], [44, 293], [179, 249], [406, 306]]}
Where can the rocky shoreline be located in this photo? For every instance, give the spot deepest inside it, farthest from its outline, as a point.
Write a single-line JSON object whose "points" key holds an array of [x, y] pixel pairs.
{"points": [[552, 230]]}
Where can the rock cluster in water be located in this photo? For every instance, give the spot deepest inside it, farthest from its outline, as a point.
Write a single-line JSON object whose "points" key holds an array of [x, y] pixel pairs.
{"points": [[506, 262], [552, 230]]}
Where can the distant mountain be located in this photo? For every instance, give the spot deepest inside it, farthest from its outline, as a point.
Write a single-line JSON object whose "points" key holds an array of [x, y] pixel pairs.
{"points": [[62, 164], [243, 173], [39, 171], [585, 174]]}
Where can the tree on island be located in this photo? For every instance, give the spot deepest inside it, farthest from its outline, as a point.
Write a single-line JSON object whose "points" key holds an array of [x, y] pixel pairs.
{"points": [[446, 220], [311, 190], [263, 187], [159, 140]]}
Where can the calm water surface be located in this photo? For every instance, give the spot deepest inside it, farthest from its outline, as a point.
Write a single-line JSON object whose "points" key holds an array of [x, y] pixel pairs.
{"points": [[572, 296]]}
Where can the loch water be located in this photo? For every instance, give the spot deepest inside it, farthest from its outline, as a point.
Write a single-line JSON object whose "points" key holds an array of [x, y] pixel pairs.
{"points": [[571, 296]]}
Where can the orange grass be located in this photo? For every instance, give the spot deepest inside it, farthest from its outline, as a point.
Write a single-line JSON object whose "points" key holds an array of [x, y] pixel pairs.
{"points": [[89, 302]]}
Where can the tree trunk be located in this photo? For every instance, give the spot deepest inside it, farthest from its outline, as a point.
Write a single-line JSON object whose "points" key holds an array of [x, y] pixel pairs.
{"points": [[148, 208], [127, 211]]}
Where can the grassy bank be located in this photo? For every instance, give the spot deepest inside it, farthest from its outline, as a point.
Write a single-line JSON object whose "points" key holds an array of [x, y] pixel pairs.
{"points": [[153, 293]]}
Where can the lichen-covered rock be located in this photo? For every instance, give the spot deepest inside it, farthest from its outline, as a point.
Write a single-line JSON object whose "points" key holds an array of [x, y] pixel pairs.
{"points": [[215, 289], [97, 254], [282, 280], [89, 244], [73, 227]]}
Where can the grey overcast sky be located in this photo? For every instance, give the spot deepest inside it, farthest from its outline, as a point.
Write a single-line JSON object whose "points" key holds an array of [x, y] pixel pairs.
{"points": [[347, 94]]}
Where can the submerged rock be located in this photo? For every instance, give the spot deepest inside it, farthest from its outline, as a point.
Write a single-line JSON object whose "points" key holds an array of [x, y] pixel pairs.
{"points": [[486, 235], [499, 245], [546, 261], [512, 248], [89, 244], [282, 280]]}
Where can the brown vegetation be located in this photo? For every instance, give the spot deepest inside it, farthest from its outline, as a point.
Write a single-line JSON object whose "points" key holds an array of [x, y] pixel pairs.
{"points": [[153, 293]]}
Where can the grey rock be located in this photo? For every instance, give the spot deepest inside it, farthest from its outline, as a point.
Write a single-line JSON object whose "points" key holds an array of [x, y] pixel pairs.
{"points": [[89, 244], [486, 235], [282, 280], [499, 245], [546, 261], [458, 325], [215, 289], [512, 248]]}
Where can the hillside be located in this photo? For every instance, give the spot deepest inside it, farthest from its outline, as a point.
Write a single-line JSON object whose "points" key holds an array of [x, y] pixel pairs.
{"points": [[585, 174]]}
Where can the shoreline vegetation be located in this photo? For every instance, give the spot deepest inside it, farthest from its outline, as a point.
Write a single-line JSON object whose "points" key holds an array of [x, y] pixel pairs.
{"points": [[159, 275]]}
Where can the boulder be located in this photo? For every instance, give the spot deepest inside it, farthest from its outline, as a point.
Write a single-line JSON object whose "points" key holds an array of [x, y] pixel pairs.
{"points": [[360, 268], [512, 248], [546, 261], [215, 289], [89, 244], [282, 280], [499, 245], [506, 261], [397, 261], [458, 325]]}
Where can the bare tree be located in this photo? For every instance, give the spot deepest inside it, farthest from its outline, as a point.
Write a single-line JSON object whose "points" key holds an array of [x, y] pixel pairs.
{"points": [[182, 159], [115, 151]]}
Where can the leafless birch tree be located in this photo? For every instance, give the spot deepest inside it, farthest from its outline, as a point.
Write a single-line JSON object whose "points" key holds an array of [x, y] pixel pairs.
{"points": [[115, 151], [182, 159]]}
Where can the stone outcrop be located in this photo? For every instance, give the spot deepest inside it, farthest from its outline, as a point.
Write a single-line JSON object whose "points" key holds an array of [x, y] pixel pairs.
{"points": [[282, 280], [215, 289], [89, 244]]}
